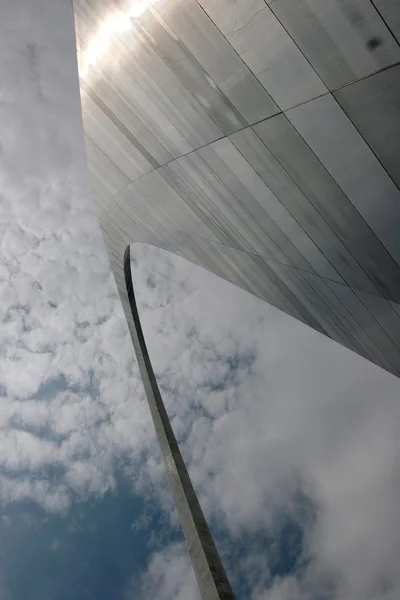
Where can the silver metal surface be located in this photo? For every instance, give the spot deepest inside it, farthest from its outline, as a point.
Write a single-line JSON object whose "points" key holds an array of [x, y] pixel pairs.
{"points": [[344, 40], [351, 162], [390, 12], [260, 140], [263, 44], [373, 106]]}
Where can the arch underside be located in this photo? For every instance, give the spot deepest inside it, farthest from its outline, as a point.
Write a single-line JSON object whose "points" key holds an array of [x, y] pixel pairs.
{"points": [[262, 148]]}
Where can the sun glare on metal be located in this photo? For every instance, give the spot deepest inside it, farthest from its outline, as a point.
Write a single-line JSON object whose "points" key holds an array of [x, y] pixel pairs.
{"points": [[117, 23]]}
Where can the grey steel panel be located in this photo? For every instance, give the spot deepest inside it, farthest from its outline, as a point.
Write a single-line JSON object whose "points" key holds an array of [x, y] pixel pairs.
{"points": [[321, 189], [347, 157], [233, 210], [355, 333], [343, 39], [112, 141], [311, 301], [100, 192], [151, 73], [386, 353], [272, 205], [151, 200], [265, 46], [384, 313], [225, 230], [286, 218], [114, 75], [210, 48], [153, 119], [322, 244], [107, 170], [373, 106], [251, 273], [188, 70], [390, 12], [275, 243], [276, 278], [126, 131], [395, 307], [106, 97]]}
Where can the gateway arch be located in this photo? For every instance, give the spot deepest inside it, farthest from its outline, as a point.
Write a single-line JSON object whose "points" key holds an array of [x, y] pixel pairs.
{"points": [[259, 139]]}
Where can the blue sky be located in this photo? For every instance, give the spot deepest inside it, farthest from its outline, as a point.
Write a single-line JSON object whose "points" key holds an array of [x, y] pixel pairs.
{"points": [[291, 440]]}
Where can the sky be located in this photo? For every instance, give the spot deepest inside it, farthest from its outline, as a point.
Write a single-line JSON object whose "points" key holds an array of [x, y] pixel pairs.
{"points": [[290, 439]]}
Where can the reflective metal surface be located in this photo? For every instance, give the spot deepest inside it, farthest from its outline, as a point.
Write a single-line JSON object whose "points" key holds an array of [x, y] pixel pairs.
{"points": [[259, 139]]}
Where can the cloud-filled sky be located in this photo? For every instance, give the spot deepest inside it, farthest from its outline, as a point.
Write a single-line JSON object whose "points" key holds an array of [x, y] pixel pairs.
{"points": [[291, 440]]}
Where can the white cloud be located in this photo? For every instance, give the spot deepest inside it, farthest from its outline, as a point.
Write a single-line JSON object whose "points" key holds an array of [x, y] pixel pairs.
{"points": [[70, 393], [297, 413], [264, 407], [169, 576]]}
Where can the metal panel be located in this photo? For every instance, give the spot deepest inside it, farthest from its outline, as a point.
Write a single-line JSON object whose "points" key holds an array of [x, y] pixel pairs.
{"points": [[312, 257], [112, 141], [265, 46], [184, 65], [354, 333], [107, 171], [373, 106], [390, 12], [384, 313], [343, 39], [153, 202], [386, 354], [395, 307], [134, 54], [224, 230], [326, 196], [231, 208], [340, 147], [110, 71], [275, 243], [322, 245], [320, 188], [210, 48], [106, 97]]}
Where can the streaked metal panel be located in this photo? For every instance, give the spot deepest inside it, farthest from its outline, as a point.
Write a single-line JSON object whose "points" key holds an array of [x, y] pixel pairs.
{"points": [[210, 48], [106, 170], [390, 12], [355, 332], [106, 97], [231, 208], [286, 218], [321, 189], [347, 157], [322, 243], [150, 72], [373, 106], [154, 120], [244, 170], [225, 231], [384, 313], [240, 268], [395, 307], [188, 70], [316, 307], [343, 39], [112, 141], [100, 191], [265, 46], [152, 201], [386, 353], [275, 243], [275, 276]]}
